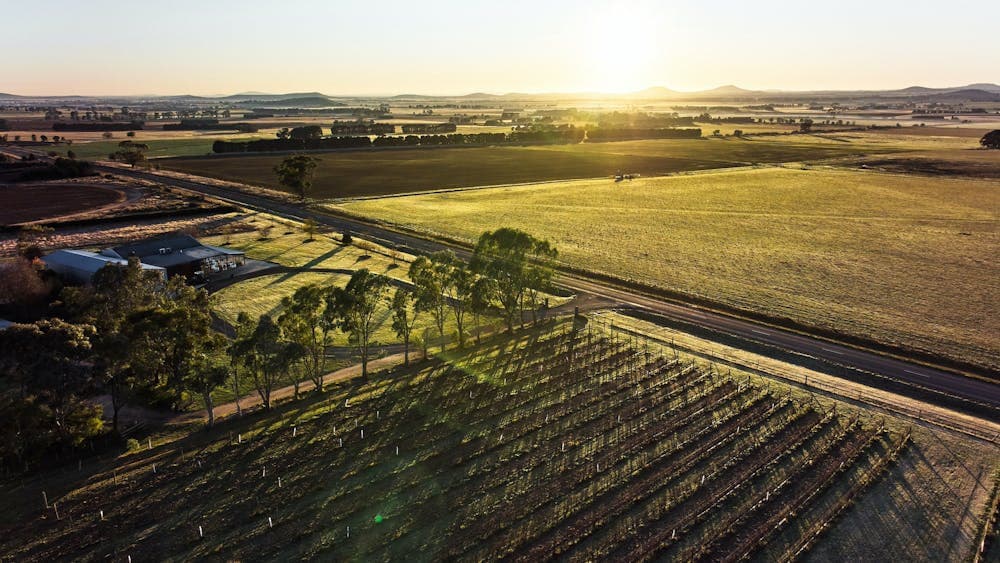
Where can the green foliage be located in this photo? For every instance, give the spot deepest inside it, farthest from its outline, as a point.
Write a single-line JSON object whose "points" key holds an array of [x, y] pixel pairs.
{"points": [[61, 168], [130, 153], [519, 265], [430, 278], [295, 173], [168, 341], [355, 306], [991, 140], [404, 318], [43, 377], [302, 322], [266, 353]]}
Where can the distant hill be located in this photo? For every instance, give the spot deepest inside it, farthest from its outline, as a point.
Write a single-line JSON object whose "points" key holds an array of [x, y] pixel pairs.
{"points": [[967, 95], [316, 101], [979, 92]]}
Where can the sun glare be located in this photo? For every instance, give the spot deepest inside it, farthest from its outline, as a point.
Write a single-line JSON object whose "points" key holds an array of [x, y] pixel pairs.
{"points": [[622, 54]]}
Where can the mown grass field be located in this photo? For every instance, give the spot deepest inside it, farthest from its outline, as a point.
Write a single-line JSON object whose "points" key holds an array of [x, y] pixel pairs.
{"points": [[550, 442], [287, 246], [262, 295], [901, 259], [380, 172]]}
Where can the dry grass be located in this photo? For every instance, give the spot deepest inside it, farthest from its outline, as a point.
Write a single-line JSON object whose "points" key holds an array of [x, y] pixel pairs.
{"points": [[904, 260]]}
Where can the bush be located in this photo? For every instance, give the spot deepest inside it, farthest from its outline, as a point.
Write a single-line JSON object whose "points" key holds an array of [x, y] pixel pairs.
{"points": [[132, 445], [991, 140], [62, 168]]}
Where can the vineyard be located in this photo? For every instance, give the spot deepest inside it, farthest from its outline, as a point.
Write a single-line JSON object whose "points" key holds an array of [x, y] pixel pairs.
{"points": [[561, 442]]}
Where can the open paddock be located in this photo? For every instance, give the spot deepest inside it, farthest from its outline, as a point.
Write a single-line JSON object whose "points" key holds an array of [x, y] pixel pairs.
{"points": [[23, 203], [364, 173], [901, 259]]}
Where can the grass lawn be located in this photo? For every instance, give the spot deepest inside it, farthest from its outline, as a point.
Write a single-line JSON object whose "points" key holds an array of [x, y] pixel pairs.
{"points": [[288, 246], [372, 173], [262, 295], [901, 259]]}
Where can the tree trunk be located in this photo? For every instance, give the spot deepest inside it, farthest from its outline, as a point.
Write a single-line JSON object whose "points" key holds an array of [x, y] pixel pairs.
{"points": [[209, 406], [116, 403], [236, 392], [406, 349]]}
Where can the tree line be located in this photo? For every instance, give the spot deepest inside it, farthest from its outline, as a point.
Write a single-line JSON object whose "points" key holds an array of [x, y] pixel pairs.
{"points": [[139, 340], [548, 135]]}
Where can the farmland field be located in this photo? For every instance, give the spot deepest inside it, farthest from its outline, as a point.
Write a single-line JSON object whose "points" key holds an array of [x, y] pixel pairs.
{"points": [[554, 442], [900, 259], [21, 203], [378, 172]]}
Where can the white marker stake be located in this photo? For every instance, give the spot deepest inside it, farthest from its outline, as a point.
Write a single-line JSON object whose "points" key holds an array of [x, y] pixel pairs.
{"points": [[673, 534], [341, 442], [295, 430], [154, 468], [149, 443], [362, 433], [45, 498], [348, 532], [378, 414], [102, 516], [270, 524], [279, 482], [201, 533], [129, 559], [55, 507], [263, 472], [563, 448], [397, 450]]}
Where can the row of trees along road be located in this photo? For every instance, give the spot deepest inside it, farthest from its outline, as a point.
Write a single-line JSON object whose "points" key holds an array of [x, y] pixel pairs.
{"points": [[141, 340], [508, 272]]}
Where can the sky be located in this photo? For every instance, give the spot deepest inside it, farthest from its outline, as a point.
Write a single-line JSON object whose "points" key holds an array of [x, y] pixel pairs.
{"points": [[379, 47]]}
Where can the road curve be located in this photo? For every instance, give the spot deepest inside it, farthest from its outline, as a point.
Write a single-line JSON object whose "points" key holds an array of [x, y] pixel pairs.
{"points": [[917, 375]]}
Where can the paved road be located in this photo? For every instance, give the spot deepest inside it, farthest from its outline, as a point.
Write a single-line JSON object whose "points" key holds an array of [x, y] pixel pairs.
{"points": [[914, 374]]}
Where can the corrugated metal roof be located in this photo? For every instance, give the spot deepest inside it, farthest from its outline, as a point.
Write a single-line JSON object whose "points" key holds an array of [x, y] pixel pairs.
{"points": [[86, 261], [174, 241]]}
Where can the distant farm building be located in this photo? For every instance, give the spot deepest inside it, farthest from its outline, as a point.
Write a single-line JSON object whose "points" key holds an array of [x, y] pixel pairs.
{"points": [[180, 254], [168, 255], [79, 266]]}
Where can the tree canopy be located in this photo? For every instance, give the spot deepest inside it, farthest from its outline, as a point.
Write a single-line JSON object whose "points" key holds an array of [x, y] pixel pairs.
{"points": [[295, 173], [519, 265], [991, 140]]}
